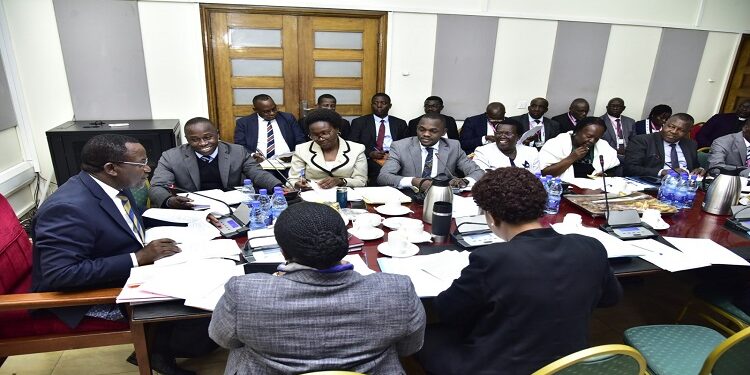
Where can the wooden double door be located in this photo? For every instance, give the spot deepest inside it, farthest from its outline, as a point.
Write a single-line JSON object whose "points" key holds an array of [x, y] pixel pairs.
{"points": [[292, 55]]}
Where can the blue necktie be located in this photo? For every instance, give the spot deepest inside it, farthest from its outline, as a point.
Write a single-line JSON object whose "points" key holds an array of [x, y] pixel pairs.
{"points": [[270, 148], [427, 170]]}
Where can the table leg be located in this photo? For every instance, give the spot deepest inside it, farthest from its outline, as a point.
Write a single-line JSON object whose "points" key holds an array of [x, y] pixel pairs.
{"points": [[141, 347]]}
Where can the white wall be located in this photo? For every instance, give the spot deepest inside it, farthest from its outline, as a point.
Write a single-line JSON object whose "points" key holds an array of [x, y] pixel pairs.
{"points": [[713, 74]]}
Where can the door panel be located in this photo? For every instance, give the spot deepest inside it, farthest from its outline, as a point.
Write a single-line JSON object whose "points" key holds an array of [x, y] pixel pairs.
{"points": [[293, 55], [739, 83]]}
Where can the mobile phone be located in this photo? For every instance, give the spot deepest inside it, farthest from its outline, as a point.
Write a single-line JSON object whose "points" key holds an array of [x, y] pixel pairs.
{"points": [[359, 205]]}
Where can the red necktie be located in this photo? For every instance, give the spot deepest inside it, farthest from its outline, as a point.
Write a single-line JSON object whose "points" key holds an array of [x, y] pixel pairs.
{"points": [[619, 128], [381, 136]]}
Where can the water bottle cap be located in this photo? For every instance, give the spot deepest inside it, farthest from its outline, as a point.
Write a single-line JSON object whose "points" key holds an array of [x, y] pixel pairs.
{"points": [[247, 181], [694, 177], [255, 204], [263, 192], [277, 189]]}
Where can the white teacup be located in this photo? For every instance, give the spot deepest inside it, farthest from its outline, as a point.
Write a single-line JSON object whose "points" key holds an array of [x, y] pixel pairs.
{"points": [[617, 186], [413, 230], [651, 216], [398, 241], [363, 224], [573, 219]]}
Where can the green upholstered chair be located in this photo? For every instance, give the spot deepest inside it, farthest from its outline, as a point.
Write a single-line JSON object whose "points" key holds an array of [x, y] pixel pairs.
{"points": [[715, 305], [691, 350], [612, 359]]}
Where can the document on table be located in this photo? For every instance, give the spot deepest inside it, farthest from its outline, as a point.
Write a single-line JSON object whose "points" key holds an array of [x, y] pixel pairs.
{"points": [[318, 195], [214, 207], [276, 163], [132, 291], [464, 206], [221, 248], [175, 216], [381, 194], [193, 279], [209, 300], [615, 247], [196, 231], [230, 197], [430, 274], [707, 250], [666, 257]]}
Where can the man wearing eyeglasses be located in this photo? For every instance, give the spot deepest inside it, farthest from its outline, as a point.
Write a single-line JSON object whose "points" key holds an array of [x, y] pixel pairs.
{"points": [[480, 129], [89, 234], [204, 163]]}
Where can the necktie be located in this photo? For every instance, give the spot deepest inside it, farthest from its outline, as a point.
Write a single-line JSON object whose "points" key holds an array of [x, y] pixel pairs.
{"points": [[674, 160], [381, 136], [537, 122], [270, 148], [206, 159], [619, 128], [427, 170], [512, 164], [131, 214], [747, 158], [539, 135]]}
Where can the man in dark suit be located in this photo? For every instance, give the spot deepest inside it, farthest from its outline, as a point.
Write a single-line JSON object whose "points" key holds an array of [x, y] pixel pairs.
{"points": [[619, 127], [657, 153], [268, 132], [722, 124], [204, 163], [415, 159], [434, 104], [480, 129], [89, 235], [579, 109], [732, 150], [550, 128], [377, 131], [328, 101]]}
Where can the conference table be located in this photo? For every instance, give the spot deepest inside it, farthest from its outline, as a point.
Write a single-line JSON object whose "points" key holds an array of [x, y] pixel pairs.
{"points": [[690, 223]]}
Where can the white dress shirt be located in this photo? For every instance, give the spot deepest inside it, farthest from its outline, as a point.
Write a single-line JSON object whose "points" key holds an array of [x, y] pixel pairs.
{"points": [[210, 157], [532, 123], [112, 194], [388, 138], [490, 157], [280, 146]]}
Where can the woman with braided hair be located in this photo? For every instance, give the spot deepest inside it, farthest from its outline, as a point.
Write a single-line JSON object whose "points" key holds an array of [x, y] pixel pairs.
{"points": [[316, 313]]}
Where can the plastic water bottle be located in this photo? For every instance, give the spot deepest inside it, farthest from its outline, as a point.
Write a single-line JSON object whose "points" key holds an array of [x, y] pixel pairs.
{"points": [[692, 187], [668, 186], [247, 191], [680, 191], [265, 204], [554, 195], [257, 216], [278, 202]]}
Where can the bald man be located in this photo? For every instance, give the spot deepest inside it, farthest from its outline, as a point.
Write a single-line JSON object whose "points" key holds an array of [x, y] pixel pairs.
{"points": [[534, 117], [578, 110], [480, 129]]}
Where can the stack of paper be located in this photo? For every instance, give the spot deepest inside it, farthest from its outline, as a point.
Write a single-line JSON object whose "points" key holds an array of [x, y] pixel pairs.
{"points": [[221, 248], [707, 250], [464, 206], [319, 195], [430, 274], [615, 247], [666, 257], [381, 194], [196, 231]]}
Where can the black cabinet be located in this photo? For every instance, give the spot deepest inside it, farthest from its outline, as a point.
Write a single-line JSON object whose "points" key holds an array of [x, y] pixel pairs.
{"points": [[67, 140]]}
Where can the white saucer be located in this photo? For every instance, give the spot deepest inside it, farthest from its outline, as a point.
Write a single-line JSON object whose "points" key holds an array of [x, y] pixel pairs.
{"points": [[397, 222], [411, 249], [372, 234], [393, 210], [423, 237]]}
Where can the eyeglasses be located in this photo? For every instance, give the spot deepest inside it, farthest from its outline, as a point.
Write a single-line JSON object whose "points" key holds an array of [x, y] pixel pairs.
{"points": [[322, 136], [142, 165]]}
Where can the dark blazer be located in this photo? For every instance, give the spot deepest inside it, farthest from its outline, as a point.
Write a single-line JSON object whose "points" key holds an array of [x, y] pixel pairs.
{"points": [[639, 128], [246, 131], [564, 122], [450, 126], [344, 128], [551, 127], [474, 128], [627, 130], [520, 305], [179, 166], [81, 241], [645, 155], [365, 133], [717, 126]]}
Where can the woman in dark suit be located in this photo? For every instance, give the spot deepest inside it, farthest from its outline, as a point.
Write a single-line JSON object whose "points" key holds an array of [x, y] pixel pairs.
{"points": [[524, 303], [327, 159], [655, 120]]}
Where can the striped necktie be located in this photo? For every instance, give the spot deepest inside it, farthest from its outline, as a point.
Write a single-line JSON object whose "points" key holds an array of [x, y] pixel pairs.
{"points": [[206, 159], [747, 158], [131, 214], [427, 170], [270, 148]]}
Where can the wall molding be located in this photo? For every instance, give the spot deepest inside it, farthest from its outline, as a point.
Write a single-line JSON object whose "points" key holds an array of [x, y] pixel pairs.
{"points": [[16, 177]]}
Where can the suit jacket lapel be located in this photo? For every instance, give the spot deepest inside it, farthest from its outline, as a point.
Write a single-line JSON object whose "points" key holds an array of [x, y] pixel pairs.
{"points": [[106, 203], [659, 143], [317, 153], [342, 156], [444, 150], [285, 127], [373, 130], [416, 156], [394, 129], [223, 160], [191, 163], [739, 141], [253, 133]]}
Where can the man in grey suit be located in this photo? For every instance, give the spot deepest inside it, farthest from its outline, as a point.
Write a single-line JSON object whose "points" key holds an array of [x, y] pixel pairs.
{"points": [[619, 128], [732, 150], [317, 313], [204, 163], [550, 128], [414, 161]]}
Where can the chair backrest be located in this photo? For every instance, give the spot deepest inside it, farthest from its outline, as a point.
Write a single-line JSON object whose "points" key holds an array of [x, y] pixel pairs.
{"points": [[696, 128], [15, 251], [731, 356], [615, 359]]}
